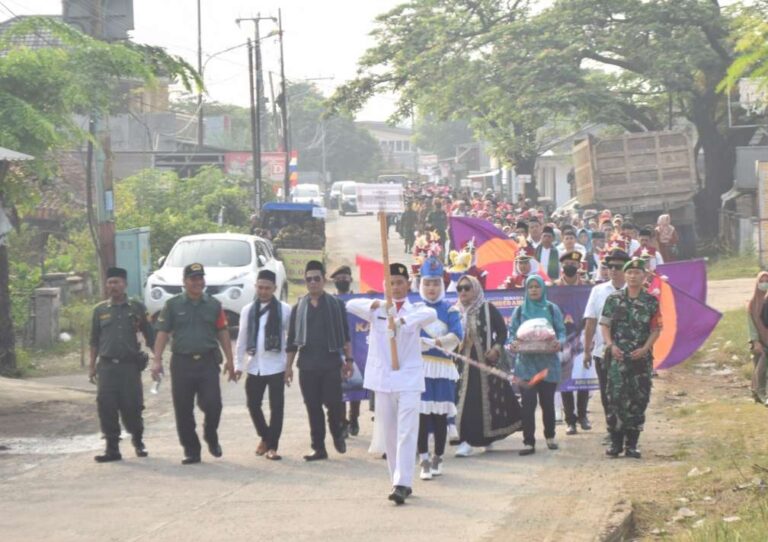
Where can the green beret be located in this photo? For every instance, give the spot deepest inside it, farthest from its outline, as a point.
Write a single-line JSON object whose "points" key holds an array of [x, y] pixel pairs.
{"points": [[635, 263]]}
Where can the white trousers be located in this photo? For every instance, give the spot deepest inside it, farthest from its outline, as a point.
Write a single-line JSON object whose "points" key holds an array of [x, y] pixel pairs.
{"points": [[398, 414]]}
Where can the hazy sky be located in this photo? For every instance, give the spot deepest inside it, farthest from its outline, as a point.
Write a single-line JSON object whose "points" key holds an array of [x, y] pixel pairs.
{"points": [[322, 39]]}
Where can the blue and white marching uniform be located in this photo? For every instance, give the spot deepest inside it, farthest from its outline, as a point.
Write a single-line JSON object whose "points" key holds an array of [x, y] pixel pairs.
{"points": [[439, 369]]}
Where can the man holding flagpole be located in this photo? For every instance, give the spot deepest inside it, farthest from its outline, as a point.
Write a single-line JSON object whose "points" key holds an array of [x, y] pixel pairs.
{"points": [[398, 383]]}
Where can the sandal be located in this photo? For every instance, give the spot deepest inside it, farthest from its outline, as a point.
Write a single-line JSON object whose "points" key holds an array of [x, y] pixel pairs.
{"points": [[273, 456]]}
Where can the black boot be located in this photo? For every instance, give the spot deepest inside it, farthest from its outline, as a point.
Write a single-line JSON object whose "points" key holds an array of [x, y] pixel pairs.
{"points": [[632, 451], [354, 427], [112, 452], [617, 444], [138, 445]]}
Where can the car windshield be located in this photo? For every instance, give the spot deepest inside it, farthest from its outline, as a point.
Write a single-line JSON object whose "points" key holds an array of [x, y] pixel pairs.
{"points": [[211, 253], [306, 191], [349, 189]]}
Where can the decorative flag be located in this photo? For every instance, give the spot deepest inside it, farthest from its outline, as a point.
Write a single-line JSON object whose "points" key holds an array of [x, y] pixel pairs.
{"points": [[688, 275], [371, 274], [686, 324], [494, 252], [293, 168]]}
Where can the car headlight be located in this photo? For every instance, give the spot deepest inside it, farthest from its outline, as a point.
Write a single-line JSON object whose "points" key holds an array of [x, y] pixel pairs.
{"points": [[234, 293], [156, 293]]}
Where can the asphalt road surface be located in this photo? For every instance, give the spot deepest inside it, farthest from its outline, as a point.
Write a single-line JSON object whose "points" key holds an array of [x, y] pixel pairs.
{"points": [[52, 489]]}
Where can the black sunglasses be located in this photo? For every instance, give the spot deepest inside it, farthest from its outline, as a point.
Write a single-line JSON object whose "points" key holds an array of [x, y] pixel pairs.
{"points": [[463, 288], [316, 278], [615, 266]]}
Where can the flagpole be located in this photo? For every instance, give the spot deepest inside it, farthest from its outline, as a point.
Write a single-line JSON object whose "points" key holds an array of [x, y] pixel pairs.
{"points": [[388, 288]]}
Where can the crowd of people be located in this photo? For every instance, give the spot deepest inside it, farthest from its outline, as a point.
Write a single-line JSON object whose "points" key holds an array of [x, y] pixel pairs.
{"points": [[438, 372]]}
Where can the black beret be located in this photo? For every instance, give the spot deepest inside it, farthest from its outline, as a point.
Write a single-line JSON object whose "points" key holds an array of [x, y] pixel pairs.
{"points": [[548, 229], [398, 270], [342, 270], [314, 265], [118, 272], [194, 270], [266, 274]]}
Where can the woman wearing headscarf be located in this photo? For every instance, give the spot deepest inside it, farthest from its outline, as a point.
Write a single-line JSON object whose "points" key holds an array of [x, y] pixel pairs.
{"points": [[667, 238], [758, 336], [488, 409], [536, 305], [584, 238]]}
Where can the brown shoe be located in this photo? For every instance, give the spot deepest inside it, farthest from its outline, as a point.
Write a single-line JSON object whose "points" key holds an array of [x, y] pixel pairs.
{"points": [[273, 455], [262, 448]]}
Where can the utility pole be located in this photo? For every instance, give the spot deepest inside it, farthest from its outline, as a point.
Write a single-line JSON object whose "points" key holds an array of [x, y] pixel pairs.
{"points": [[255, 140], [200, 122], [256, 135], [284, 110]]}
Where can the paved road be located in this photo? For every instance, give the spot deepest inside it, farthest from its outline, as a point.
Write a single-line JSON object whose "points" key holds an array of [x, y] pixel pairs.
{"points": [[55, 491]]}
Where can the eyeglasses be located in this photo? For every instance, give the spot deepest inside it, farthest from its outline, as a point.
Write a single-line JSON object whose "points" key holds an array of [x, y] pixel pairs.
{"points": [[315, 278], [463, 288]]}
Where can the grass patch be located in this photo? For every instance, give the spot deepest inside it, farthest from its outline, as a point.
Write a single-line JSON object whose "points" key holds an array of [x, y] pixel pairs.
{"points": [[728, 345], [733, 267]]}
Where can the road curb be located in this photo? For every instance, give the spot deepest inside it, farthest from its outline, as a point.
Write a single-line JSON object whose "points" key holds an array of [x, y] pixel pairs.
{"points": [[620, 525]]}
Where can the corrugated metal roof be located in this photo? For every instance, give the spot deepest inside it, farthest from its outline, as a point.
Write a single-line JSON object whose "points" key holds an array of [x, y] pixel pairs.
{"points": [[7, 155]]}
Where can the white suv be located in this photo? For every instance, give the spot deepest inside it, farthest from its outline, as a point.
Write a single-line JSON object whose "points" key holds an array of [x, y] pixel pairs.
{"points": [[232, 262]]}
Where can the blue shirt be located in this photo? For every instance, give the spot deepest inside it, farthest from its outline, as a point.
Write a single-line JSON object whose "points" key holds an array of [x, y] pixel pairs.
{"points": [[528, 365]]}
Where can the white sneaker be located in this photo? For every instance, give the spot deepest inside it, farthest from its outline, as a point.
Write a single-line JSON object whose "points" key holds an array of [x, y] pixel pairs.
{"points": [[464, 450], [453, 432], [426, 470], [437, 465]]}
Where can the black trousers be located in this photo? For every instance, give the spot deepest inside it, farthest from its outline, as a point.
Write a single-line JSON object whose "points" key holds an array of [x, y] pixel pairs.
{"points": [[119, 394], [544, 393], [602, 377], [354, 411], [438, 423], [575, 410], [322, 388], [255, 386], [195, 379]]}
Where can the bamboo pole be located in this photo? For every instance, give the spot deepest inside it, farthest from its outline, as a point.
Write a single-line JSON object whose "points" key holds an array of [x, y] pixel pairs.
{"points": [[388, 287]]}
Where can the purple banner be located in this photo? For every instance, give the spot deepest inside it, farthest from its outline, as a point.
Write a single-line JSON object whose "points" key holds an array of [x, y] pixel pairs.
{"points": [[689, 276], [572, 301]]}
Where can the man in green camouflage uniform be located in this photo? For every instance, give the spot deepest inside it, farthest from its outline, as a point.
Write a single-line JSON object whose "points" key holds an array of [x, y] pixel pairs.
{"points": [[630, 324]]}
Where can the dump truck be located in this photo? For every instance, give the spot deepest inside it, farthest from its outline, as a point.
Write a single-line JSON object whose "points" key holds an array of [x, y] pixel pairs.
{"points": [[640, 175]]}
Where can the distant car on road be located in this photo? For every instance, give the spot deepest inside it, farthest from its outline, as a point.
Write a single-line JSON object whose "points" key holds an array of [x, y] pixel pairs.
{"points": [[348, 197], [307, 193], [232, 262]]}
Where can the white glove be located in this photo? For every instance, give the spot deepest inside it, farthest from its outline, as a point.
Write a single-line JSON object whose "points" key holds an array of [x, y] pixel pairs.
{"points": [[427, 344]]}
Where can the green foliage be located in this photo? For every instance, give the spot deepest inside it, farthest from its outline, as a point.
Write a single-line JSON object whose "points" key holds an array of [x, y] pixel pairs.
{"points": [[174, 207], [441, 137], [751, 32], [733, 267]]}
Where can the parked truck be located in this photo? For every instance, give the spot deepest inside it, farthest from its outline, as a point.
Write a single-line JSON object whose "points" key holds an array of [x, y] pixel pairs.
{"points": [[641, 175]]}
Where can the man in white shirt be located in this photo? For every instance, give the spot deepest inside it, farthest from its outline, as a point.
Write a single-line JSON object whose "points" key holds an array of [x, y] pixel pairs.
{"points": [[570, 244], [593, 339], [398, 391], [261, 353]]}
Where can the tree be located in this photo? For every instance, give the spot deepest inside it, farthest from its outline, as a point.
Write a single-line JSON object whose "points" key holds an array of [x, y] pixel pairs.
{"points": [[350, 151], [441, 137], [40, 90], [751, 32]]}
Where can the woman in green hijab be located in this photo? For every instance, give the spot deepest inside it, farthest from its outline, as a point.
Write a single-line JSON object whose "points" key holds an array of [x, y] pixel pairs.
{"points": [[528, 364]]}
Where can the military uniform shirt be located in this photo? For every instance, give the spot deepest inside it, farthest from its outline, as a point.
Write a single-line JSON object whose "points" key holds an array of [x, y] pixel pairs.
{"points": [[194, 324], [631, 320], [114, 327]]}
